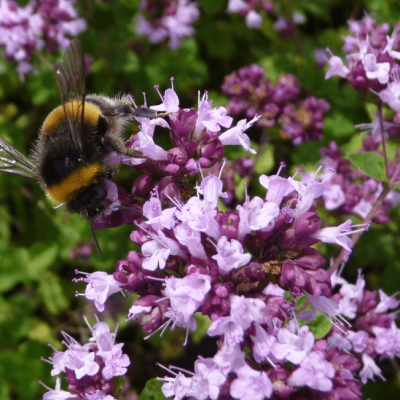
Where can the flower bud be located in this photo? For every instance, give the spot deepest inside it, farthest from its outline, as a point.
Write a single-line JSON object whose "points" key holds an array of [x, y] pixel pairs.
{"points": [[177, 155], [142, 186]]}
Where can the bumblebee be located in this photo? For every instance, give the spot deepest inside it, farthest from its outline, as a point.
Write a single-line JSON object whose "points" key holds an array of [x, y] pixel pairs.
{"points": [[69, 159]]}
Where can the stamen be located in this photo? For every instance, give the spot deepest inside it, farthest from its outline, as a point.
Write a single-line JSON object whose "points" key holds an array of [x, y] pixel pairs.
{"points": [[222, 167], [159, 93], [166, 369], [185, 371], [281, 166]]}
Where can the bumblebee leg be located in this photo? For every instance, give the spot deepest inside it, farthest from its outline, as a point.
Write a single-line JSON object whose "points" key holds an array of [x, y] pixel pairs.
{"points": [[115, 144]]}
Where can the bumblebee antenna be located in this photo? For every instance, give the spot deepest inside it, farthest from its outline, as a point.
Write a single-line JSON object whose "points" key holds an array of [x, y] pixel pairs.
{"points": [[95, 239]]}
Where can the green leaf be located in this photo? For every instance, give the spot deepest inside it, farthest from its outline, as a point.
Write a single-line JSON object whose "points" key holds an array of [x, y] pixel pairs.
{"points": [[337, 125], [265, 161], [320, 326], [371, 164], [24, 369], [203, 322], [13, 267], [42, 257], [152, 391], [52, 294]]}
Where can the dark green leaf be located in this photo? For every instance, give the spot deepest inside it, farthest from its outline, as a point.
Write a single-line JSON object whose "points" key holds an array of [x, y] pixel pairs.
{"points": [[152, 391]]}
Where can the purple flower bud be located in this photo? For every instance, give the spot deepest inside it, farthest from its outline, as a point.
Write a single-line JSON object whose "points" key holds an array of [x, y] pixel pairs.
{"points": [[221, 290], [287, 89], [369, 302], [183, 125], [152, 320], [213, 150], [215, 306], [307, 224], [276, 312], [130, 275], [204, 162], [279, 376], [357, 77], [249, 278], [319, 283], [228, 223], [142, 186], [171, 169], [168, 188], [288, 239], [310, 258], [177, 155], [191, 165]]}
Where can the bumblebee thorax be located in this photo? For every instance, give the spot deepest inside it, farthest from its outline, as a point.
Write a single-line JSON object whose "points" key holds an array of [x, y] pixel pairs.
{"points": [[73, 108]]}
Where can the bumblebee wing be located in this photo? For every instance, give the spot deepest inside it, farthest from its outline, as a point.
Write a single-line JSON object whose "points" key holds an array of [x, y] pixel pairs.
{"points": [[70, 78], [13, 162]]}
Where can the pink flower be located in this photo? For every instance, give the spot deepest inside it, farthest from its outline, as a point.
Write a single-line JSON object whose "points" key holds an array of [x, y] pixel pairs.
{"points": [[251, 385], [314, 372]]}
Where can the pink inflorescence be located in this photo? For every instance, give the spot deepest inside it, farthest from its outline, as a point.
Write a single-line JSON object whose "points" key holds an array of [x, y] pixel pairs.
{"points": [[90, 369], [349, 191], [371, 59], [246, 269], [167, 19], [251, 93], [41, 24]]}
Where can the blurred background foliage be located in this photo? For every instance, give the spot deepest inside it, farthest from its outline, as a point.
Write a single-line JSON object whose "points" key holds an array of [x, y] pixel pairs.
{"points": [[41, 247]]}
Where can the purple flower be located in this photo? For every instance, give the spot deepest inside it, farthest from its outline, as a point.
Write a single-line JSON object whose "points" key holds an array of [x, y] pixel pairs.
{"points": [[57, 393], [100, 287], [43, 23], [115, 362], [262, 344], [208, 379], [175, 22], [179, 386], [369, 370], [158, 250], [230, 255], [237, 136], [293, 347], [314, 372], [251, 385], [209, 118], [255, 215], [337, 67]]}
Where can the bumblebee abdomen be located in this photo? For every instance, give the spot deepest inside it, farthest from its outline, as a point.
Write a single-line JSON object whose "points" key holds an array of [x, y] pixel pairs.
{"points": [[65, 190], [92, 114]]}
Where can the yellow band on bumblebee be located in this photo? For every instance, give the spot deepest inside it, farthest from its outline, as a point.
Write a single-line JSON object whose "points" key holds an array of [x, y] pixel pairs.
{"points": [[73, 108], [64, 191]]}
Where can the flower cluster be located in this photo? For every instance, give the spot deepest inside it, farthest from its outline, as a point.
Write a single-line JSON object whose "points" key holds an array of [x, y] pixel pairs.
{"points": [[90, 370], [349, 191], [232, 266], [246, 269], [41, 24], [277, 103], [251, 10], [371, 62], [167, 19], [286, 27], [289, 356], [373, 332]]}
